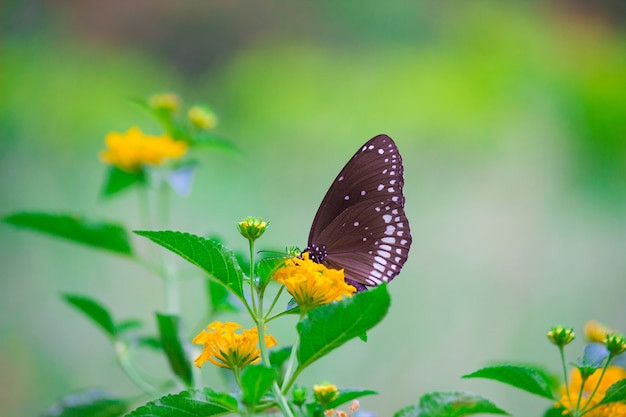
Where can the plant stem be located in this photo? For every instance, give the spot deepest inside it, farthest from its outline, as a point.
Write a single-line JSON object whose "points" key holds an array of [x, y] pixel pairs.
{"points": [[260, 320], [289, 372], [123, 360], [170, 279], [278, 293], [251, 277], [569, 397], [606, 365]]}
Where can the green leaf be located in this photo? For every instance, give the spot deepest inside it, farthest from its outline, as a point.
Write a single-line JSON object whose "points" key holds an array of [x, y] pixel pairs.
{"points": [[554, 412], [265, 269], [615, 394], [450, 404], [210, 256], [149, 342], [522, 377], [129, 325], [255, 381], [94, 310], [119, 180], [190, 403], [109, 236], [88, 403], [329, 326], [171, 340], [219, 298], [346, 395]]}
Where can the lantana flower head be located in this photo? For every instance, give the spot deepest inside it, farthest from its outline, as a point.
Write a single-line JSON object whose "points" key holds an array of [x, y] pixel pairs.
{"points": [[312, 284], [223, 347], [612, 375], [131, 150]]}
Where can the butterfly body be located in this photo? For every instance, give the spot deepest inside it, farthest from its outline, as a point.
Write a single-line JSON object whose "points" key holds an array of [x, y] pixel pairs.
{"points": [[361, 225]]}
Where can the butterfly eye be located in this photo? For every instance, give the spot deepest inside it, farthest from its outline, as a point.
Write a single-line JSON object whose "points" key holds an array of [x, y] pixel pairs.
{"points": [[361, 225]]}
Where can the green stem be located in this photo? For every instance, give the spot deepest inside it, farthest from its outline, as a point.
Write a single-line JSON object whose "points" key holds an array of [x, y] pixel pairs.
{"points": [[252, 291], [606, 365], [123, 359], [569, 397], [289, 372], [278, 394], [278, 293], [170, 278]]}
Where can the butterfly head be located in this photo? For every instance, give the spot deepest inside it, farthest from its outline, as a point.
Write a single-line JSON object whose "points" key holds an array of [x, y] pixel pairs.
{"points": [[317, 252]]}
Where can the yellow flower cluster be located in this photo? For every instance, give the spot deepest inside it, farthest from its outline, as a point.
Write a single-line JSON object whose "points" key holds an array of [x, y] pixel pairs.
{"points": [[131, 150], [227, 349], [312, 284], [612, 375]]}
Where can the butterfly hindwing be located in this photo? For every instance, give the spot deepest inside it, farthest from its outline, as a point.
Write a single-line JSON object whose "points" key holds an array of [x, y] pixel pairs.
{"points": [[361, 222]]}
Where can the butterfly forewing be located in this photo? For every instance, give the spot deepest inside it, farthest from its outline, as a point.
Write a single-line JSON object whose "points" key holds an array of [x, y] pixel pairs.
{"points": [[361, 221]]}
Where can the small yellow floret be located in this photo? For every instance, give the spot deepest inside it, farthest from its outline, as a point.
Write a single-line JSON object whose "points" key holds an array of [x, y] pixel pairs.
{"points": [[202, 118], [312, 284], [131, 150], [612, 375], [227, 349]]}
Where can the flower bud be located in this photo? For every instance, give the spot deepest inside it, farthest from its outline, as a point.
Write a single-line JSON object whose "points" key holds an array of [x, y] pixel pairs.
{"points": [[325, 393], [202, 118], [298, 395], [168, 102], [615, 343], [560, 335], [252, 228]]}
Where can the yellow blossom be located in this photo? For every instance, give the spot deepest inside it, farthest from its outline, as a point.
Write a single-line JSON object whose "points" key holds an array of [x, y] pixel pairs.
{"points": [[227, 349], [612, 375], [312, 284], [596, 332], [202, 118], [133, 149], [169, 102]]}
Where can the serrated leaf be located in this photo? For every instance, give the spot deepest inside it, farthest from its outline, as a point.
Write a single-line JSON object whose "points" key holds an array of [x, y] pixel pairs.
{"points": [[88, 403], [329, 326], [265, 269], [219, 298], [190, 403], [522, 377], [94, 310], [616, 393], [450, 404], [101, 235], [256, 380], [346, 395], [210, 256], [171, 340], [118, 180]]}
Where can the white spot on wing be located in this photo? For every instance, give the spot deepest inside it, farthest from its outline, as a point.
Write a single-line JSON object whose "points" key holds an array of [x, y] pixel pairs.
{"points": [[387, 218]]}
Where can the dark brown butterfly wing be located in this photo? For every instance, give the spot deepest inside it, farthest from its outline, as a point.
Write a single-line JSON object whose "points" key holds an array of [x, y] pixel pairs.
{"points": [[361, 222]]}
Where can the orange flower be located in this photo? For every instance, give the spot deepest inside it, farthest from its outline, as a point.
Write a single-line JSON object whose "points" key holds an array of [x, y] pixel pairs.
{"points": [[612, 375]]}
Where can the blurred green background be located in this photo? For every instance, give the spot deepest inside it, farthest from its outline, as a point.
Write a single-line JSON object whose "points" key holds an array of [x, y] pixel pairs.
{"points": [[510, 116]]}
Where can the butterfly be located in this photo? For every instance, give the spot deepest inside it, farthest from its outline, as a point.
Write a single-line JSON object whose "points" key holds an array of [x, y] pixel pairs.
{"points": [[361, 226]]}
